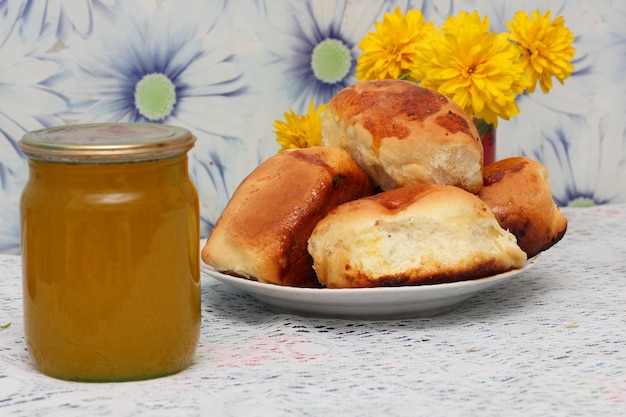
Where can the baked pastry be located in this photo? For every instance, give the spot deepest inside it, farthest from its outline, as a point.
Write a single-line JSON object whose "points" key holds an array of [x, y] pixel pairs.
{"points": [[403, 134], [423, 234], [517, 190], [262, 233]]}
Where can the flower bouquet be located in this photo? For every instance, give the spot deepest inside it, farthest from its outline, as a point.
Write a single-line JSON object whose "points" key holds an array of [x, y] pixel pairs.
{"points": [[482, 71]]}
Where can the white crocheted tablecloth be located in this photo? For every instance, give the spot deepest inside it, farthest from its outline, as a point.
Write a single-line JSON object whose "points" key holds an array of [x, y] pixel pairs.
{"points": [[551, 342]]}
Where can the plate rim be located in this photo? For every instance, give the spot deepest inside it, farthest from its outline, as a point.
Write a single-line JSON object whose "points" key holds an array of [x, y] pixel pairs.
{"points": [[233, 280], [378, 303]]}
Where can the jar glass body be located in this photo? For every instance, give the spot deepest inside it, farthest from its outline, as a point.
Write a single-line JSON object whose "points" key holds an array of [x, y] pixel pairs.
{"points": [[111, 274]]}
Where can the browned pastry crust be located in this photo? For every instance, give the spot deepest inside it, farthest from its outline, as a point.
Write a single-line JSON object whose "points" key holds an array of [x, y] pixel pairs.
{"points": [[423, 234], [517, 190], [263, 231], [403, 134]]}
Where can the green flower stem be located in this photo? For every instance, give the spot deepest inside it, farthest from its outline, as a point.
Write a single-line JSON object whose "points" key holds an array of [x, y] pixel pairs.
{"points": [[483, 127]]}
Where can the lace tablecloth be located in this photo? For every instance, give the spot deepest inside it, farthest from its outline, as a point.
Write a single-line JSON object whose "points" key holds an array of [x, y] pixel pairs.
{"points": [[551, 342]]}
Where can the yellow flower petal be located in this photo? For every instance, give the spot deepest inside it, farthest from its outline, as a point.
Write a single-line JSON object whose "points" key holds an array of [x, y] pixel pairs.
{"points": [[479, 70], [546, 47], [389, 52], [300, 131]]}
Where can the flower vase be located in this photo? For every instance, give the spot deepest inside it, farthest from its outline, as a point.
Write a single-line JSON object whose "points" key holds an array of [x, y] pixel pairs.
{"points": [[487, 133]]}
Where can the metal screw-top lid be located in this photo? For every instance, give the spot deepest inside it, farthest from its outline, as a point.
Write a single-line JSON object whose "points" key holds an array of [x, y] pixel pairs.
{"points": [[106, 142]]}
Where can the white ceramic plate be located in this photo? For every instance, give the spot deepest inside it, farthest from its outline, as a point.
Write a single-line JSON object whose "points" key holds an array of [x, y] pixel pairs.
{"points": [[367, 303]]}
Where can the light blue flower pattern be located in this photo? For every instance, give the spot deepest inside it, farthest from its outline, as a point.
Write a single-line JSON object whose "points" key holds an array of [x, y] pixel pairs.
{"points": [[76, 17], [161, 65], [433, 11], [298, 51], [26, 19], [313, 45], [28, 102]]}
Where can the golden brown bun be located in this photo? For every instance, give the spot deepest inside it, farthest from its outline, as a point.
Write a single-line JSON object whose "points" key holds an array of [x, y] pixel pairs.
{"points": [[518, 192], [263, 231], [403, 134], [423, 234]]}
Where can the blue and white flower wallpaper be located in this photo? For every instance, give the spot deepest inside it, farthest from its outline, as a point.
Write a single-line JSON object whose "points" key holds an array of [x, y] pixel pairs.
{"points": [[226, 70]]}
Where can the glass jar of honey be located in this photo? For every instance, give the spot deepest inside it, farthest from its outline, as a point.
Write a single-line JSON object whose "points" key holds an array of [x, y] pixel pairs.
{"points": [[110, 250]]}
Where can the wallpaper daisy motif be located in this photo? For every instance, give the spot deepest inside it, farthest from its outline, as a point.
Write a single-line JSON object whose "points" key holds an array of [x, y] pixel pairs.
{"points": [[227, 70]]}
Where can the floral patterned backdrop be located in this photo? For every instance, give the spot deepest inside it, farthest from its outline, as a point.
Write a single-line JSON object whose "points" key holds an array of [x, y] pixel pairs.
{"points": [[226, 70]]}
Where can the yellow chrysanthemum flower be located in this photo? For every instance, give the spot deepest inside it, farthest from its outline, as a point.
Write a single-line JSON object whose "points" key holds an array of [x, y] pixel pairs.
{"points": [[546, 47], [477, 69], [389, 52], [300, 131]]}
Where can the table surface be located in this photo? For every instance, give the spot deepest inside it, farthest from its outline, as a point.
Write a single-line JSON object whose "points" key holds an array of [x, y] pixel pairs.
{"points": [[550, 342]]}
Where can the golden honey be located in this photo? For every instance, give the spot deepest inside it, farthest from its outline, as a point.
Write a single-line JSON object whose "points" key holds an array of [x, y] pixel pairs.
{"points": [[110, 248]]}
